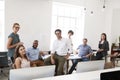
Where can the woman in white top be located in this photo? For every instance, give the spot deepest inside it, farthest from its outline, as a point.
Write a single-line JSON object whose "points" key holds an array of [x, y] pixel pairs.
{"points": [[21, 60], [70, 33]]}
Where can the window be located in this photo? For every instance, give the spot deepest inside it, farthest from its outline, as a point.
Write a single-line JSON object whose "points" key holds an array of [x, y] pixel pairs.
{"points": [[2, 38], [68, 17]]}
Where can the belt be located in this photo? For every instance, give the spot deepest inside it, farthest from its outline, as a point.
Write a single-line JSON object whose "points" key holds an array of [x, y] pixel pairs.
{"points": [[60, 55]]}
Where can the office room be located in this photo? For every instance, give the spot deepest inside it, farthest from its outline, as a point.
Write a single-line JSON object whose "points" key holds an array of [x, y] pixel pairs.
{"points": [[59, 39]]}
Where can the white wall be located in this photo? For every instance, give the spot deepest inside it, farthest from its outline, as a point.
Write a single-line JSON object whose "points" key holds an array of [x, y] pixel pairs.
{"points": [[36, 15], [101, 21], [34, 18], [113, 20], [107, 21], [115, 25], [95, 24]]}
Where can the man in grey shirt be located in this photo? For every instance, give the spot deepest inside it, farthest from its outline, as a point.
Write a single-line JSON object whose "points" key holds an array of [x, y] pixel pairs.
{"points": [[34, 54], [84, 51]]}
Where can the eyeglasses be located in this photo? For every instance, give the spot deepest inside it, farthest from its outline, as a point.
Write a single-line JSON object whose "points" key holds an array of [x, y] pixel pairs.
{"points": [[17, 27]]}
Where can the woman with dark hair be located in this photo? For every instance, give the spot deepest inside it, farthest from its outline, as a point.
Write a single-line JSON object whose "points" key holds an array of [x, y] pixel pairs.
{"points": [[103, 47], [20, 57], [13, 41]]}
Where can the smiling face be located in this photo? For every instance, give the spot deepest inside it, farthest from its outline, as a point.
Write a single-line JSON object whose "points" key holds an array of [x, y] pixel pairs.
{"points": [[35, 44], [103, 37], [84, 41], [22, 50], [58, 34], [70, 34], [16, 28]]}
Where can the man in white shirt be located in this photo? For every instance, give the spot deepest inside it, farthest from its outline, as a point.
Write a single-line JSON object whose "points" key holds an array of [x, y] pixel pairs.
{"points": [[60, 52]]}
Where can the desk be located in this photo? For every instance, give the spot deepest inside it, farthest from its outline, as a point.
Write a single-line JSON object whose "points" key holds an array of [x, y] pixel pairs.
{"points": [[46, 56], [72, 56], [93, 75]]}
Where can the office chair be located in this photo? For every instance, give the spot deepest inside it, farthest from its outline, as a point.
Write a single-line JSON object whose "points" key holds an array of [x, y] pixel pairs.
{"points": [[3, 62]]}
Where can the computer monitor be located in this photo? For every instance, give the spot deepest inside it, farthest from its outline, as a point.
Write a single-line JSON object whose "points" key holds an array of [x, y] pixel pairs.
{"points": [[32, 73], [90, 66], [113, 75]]}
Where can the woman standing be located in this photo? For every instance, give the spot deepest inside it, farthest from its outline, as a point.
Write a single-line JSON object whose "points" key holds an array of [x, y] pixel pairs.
{"points": [[13, 41], [21, 60], [103, 47]]}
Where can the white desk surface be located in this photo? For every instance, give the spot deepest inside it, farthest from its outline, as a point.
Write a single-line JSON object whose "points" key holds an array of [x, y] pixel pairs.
{"points": [[72, 56], [93, 75]]}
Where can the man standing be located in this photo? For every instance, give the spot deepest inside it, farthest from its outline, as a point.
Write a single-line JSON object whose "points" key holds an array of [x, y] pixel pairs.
{"points": [[84, 51], [70, 33], [34, 54], [60, 52]]}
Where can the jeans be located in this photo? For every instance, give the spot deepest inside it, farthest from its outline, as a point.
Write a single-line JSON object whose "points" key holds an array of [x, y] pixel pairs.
{"points": [[75, 62], [12, 59]]}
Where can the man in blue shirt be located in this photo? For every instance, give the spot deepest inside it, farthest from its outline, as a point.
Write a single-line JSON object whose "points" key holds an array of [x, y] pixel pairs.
{"points": [[84, 51], [34, 54]]}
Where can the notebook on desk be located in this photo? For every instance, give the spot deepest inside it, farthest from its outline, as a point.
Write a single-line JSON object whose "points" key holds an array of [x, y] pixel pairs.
{"points": [[113, 75]]}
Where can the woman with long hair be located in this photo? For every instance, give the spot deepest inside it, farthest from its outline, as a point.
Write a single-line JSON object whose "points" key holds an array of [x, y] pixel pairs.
{"points": [[103, 47], [21, 60]]}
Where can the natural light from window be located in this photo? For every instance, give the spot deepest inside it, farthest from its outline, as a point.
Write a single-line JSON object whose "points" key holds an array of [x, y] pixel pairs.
{"points": [[68, 17]]}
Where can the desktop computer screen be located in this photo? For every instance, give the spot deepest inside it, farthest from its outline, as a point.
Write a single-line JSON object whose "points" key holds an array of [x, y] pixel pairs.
{"points": [[113, 75]]}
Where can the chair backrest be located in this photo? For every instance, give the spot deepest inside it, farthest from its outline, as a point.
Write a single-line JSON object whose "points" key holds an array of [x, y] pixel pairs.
{"points": [[3, 59], [32, 73], [90, 66]]}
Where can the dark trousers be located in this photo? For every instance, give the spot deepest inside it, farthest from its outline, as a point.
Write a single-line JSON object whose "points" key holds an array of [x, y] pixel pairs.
{"points": [[99, 56], [12, 59], [59, 62], [75, 62]]}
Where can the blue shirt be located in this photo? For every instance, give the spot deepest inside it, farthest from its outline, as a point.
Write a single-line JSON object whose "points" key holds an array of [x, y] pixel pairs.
{"points": [[33, 54], [84, 50]]}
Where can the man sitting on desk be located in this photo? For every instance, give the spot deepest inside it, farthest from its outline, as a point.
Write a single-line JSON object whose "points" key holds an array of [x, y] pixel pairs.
{"points": [[60, 52], [84, 51], [34, 55]]}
